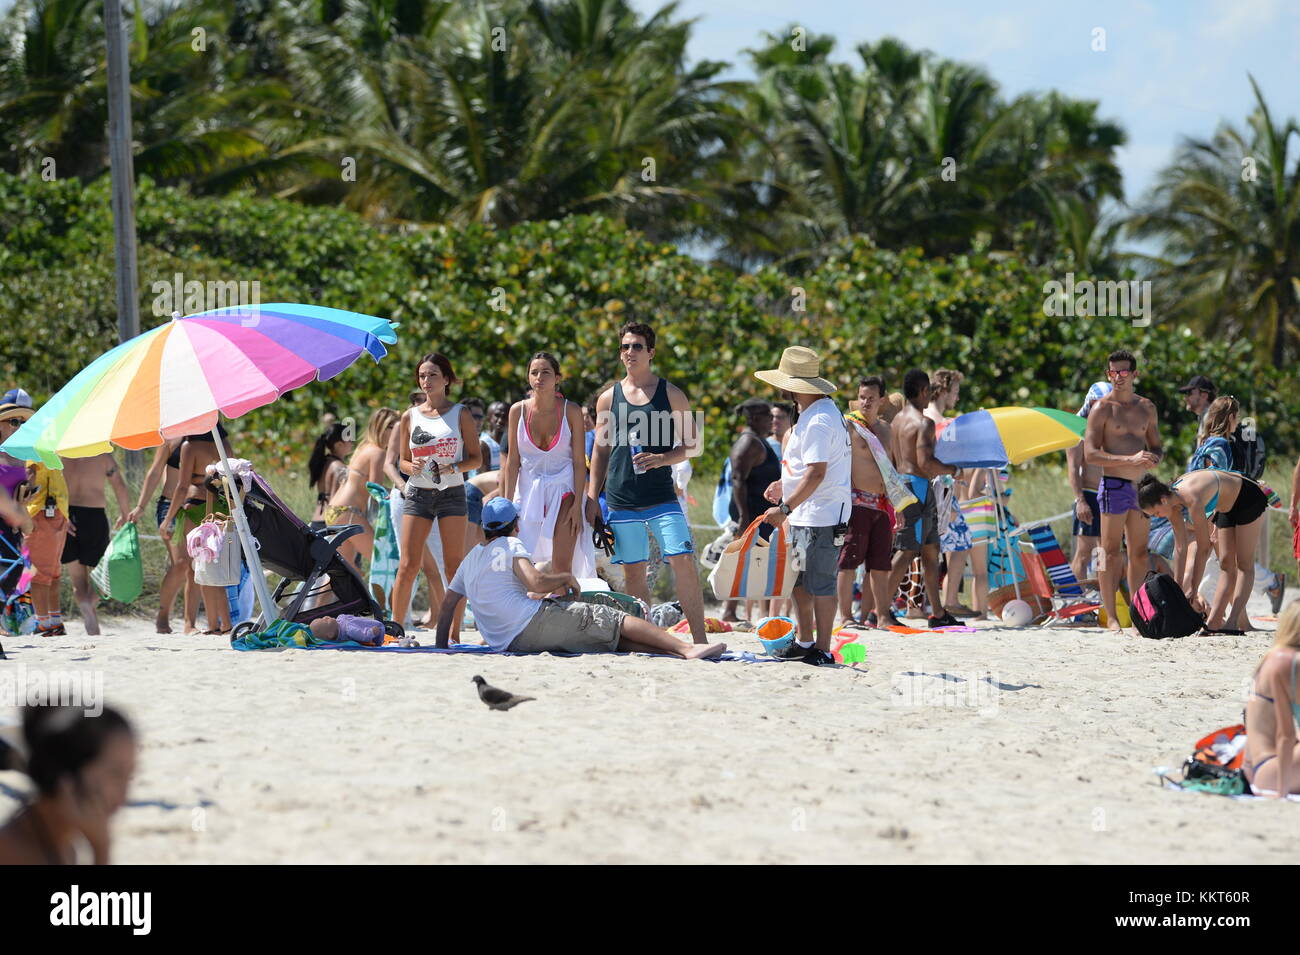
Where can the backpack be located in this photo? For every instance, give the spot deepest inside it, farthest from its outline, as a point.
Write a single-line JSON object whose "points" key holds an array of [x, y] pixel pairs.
{"points": [[1161, 610], [1248, 456]]}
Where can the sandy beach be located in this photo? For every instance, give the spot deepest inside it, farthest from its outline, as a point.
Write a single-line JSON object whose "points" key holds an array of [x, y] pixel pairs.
{"points": [[1003, 745]]}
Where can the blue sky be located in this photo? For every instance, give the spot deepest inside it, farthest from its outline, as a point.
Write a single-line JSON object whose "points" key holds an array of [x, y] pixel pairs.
{"points": [[1170, 69]]}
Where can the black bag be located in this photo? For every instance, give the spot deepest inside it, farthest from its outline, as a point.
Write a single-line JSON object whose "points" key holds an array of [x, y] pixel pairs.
{"points": [[1161, 610], [1248, 456]]}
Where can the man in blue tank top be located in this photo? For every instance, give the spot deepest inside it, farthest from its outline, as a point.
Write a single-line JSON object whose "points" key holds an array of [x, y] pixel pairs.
{"points": [[644, 427]]}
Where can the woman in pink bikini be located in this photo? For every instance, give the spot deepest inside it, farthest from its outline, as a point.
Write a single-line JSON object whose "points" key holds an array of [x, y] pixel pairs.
{"points": [[545, 473], [1273, 710]]}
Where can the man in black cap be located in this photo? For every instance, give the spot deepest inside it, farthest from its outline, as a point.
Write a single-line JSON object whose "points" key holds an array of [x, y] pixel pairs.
{"points": [[1199, 392]]}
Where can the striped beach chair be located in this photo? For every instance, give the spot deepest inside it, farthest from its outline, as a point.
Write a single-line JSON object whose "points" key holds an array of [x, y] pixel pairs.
{"points": [[1066, 585]]}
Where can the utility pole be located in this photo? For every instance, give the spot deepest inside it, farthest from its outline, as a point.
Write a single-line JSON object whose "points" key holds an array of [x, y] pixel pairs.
{"points": [[123, 172]]}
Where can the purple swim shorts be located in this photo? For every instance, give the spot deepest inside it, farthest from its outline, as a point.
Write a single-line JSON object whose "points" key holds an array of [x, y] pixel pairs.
{"points": [[1117, 495]]}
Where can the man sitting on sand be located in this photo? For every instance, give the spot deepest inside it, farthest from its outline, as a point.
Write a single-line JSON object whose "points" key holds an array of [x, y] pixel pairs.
{"points": [[498, 577], [1121, 439]]}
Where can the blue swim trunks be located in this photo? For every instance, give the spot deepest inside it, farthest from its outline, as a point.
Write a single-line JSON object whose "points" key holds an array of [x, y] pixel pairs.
{"points": [[632, 528]]}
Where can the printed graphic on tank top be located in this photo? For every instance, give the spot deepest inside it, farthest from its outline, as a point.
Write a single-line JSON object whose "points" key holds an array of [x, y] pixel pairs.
{"points": [[436, 438]]}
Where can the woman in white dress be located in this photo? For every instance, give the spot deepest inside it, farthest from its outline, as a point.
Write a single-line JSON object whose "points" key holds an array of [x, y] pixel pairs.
{"points": [[546, 473]]}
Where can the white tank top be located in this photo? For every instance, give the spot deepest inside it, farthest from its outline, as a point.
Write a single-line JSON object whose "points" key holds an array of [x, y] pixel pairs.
{"points": [[436, 439]]}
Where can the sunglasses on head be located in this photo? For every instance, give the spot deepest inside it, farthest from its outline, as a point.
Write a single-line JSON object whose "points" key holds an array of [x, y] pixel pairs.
{"points": [[631, 346]]}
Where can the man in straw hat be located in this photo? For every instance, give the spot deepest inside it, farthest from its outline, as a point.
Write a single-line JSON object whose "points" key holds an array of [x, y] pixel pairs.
{"points": [[813, 495]]}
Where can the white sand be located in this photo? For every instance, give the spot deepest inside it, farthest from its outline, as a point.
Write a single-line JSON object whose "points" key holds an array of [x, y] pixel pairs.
{"points": [[315, 756]]}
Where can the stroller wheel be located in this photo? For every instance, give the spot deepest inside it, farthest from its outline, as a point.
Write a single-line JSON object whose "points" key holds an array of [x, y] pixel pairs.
{"points": [[243, 629]]}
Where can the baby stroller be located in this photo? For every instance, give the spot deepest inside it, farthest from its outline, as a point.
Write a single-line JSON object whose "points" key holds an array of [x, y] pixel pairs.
{"points": [[307, 560]]}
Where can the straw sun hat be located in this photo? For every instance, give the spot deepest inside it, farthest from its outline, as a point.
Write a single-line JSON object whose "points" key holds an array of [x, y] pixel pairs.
{"points": [[799, 372]]}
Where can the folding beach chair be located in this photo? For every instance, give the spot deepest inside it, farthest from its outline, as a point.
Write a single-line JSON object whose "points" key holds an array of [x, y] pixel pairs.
{"points": [[1065, 585]]}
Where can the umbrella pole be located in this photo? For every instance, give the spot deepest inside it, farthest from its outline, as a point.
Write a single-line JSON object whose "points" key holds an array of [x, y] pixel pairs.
{"points": [[1006, 541], [270, 612]]}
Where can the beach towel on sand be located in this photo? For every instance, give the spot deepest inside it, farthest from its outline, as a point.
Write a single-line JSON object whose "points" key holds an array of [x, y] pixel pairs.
{"points": [[286, 635]]}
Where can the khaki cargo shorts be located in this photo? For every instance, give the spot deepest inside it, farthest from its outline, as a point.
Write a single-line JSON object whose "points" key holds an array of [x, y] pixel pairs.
{"points": [[570, 627]]}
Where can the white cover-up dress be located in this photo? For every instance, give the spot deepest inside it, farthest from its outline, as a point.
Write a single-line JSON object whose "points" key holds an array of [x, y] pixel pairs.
{"points": [[545, 476]]}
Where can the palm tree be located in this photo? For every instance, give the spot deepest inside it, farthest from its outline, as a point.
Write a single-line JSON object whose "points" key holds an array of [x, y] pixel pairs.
{"points": [[502, 111], [1227, 211], [912, 149], [199, 115]]}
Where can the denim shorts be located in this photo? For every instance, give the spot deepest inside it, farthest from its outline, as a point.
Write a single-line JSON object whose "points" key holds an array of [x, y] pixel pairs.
{"points": [[432, 503], [474, 503], [821, 559]]}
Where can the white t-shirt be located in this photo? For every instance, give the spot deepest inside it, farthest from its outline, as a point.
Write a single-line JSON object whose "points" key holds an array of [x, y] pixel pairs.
{"points": [[499, 599], [820, 434]]}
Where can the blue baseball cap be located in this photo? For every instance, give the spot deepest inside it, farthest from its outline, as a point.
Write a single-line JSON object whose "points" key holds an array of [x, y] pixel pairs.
{"points": [[498, 513], [16, 397]]}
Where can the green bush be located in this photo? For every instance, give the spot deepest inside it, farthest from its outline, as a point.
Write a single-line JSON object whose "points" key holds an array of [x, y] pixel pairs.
{"points": [[490, 298]]}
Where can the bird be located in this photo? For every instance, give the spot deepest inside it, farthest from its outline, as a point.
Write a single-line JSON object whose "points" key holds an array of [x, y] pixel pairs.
{"points": [[498, 699]]}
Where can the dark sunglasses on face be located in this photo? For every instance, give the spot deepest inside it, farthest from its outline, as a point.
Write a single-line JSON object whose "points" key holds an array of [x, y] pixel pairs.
{"points": [[631, 346], [14, 422], [1120, 372]]}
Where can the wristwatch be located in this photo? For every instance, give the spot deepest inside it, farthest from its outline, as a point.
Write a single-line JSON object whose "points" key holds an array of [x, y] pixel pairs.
{"points": [[784, 508]]}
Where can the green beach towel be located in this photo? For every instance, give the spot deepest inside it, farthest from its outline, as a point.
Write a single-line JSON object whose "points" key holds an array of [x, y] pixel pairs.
{"points": [[384, 555]]}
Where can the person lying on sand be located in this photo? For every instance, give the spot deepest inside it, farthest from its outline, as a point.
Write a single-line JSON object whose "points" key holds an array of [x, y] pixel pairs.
{"points": [[497, 577], [1272, 754], [81, 766]]}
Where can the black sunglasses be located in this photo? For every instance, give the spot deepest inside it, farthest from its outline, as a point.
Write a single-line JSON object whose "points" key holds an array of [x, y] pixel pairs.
{"points": [[16, 422], [631, 346]]}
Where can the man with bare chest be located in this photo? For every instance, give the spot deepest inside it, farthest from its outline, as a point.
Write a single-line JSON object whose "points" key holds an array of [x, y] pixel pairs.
{"points": [[918, 530], [1122, 440], [870, 522], [88, 531]]}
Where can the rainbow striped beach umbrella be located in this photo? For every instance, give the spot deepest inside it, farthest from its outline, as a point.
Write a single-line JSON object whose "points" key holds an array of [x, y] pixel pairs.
{"points": [[996, 437], [173, 380], [178, 378]]}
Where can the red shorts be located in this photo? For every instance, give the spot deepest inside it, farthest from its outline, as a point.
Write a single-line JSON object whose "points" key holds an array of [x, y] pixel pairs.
{"points": [[869, 540]]}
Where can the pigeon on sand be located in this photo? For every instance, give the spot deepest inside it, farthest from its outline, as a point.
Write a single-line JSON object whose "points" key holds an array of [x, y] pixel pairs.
{"points": [[498, 699]]}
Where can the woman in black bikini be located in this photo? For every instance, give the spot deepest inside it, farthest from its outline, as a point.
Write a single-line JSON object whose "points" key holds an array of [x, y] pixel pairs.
{"points": [[165, 471], [82, 767], [1235, 504], [328, 469], [1272, 754], [197, 452]]}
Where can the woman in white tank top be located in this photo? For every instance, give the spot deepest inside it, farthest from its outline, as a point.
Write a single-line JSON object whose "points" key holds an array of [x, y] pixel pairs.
{"points": [[438, 443], [546, 473]]}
